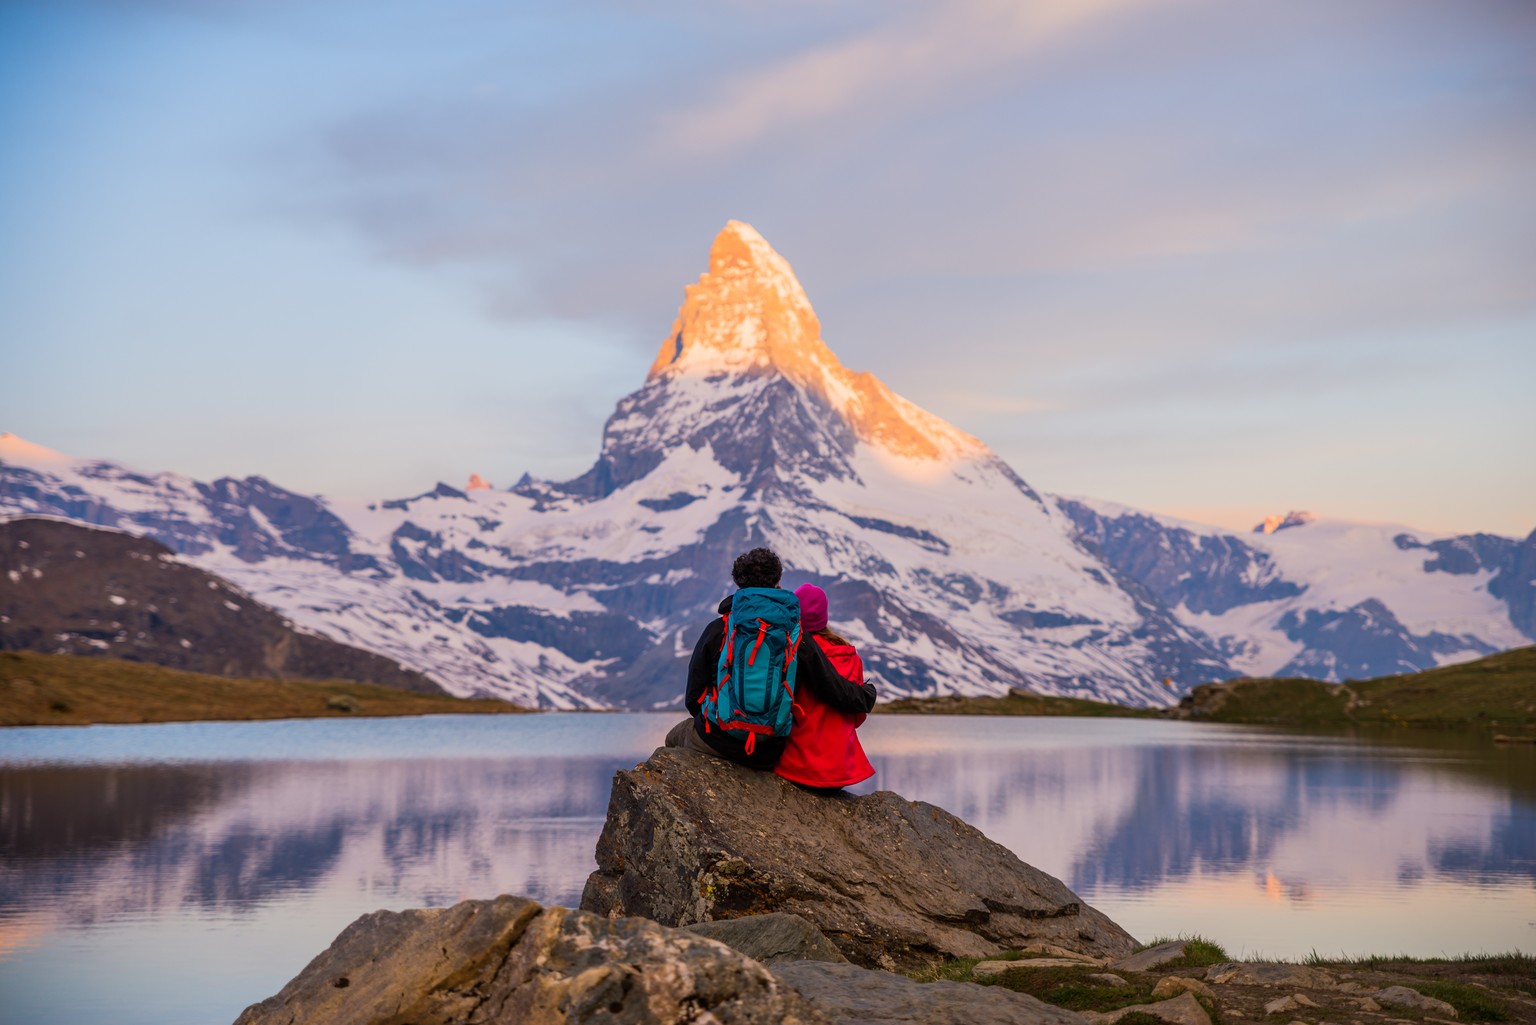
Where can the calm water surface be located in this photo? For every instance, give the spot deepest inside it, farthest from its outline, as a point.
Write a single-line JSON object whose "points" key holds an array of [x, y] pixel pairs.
{"points": [[176, 873]]}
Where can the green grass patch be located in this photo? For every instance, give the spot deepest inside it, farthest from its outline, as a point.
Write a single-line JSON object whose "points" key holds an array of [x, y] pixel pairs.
{"points": [[1140, 1018], [1471, 1003], [1493, 691], [1198, 952], [1070, 988], [1514, 963], [958, 970], [1281, 700]]}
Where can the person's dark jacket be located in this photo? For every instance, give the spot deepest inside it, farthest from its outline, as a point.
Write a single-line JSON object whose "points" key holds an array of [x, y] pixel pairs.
{"points": [[812, 671]]}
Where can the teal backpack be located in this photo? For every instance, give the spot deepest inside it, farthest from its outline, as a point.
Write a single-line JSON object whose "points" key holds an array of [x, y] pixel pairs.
{"points": [[754, 691]]}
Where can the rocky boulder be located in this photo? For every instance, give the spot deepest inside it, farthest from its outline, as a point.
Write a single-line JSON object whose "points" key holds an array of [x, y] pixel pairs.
{"points": [[510, 960], [691, 838], [772, 938]]}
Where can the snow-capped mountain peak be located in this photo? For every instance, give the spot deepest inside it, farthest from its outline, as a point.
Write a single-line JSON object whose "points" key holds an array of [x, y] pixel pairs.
{"points": [[746, 314], [748, 318]]}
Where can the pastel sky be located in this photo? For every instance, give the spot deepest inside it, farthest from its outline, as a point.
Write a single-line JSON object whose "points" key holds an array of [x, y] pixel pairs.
{"points": [[1218, 258]]}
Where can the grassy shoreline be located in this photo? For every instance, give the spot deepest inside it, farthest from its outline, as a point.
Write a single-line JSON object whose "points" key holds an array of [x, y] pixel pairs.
{"points": [[1476, 987], [1495, 694], [1018, 702], [72, 690]]}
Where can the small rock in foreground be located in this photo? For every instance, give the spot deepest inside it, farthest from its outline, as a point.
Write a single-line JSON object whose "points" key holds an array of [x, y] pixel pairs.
{"points": [[1181, 1010], [986, 968], [851, 995], [1152, 957], [1269, 974], [1173, 985], [1051, 950], [1402, 996]]}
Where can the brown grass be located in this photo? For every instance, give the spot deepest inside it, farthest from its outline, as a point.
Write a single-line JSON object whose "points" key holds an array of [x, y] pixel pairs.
{"points": [[70, 690]]}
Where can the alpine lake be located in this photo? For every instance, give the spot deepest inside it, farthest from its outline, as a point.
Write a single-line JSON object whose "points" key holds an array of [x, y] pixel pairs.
{"points": [[175, 873]]}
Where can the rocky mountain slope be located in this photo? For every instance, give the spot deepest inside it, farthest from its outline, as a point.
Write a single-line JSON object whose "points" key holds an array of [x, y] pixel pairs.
{"points": [[74, 590], [1325, 599], [951, 573]]}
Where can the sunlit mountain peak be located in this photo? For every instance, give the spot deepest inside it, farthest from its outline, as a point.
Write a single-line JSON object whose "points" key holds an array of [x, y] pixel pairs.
{"points": [[749, 316]]}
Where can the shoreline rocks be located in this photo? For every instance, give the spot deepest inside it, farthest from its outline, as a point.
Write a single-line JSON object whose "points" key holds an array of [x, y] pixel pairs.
{"points": [[512, 961]]}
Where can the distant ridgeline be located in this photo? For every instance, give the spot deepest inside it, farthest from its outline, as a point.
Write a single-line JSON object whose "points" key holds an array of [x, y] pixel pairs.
{"points": [[74, 590], [950, 572]]}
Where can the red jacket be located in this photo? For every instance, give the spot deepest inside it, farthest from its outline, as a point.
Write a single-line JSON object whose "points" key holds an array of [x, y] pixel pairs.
{"points": [[823, 749]]}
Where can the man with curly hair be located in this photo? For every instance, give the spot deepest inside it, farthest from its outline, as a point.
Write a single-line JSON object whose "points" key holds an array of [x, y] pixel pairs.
{"points": [[759, 567]]}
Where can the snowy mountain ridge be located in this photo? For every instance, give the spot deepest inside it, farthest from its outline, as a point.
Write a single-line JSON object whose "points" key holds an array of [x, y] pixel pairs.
{"points": [[951, 573]]}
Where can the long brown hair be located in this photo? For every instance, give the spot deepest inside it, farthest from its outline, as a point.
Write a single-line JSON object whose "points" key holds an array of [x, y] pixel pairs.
{"points": [[832, 635]]}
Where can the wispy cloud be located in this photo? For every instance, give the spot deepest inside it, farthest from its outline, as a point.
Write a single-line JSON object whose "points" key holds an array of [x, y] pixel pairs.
{"points": [[916, 57]]}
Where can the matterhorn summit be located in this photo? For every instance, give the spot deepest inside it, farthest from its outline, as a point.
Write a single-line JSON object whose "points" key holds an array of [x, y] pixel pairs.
{"points": [[950, 573], [748, 315], [744, 374]]}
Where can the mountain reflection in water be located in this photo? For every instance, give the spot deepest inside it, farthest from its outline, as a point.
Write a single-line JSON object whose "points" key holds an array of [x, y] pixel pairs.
{"points": [[274, 836], [135, 839]]}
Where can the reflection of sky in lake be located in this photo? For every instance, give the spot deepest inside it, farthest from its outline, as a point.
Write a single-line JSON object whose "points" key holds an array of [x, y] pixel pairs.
{"points": [[198, 867], [1271, 843]]}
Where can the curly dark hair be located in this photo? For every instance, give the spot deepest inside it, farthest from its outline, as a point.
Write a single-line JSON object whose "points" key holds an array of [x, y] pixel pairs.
{"points": [[757, 568]]}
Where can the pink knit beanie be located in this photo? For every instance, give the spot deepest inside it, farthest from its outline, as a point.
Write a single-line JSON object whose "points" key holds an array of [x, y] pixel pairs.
{"points": [[813, 607]]}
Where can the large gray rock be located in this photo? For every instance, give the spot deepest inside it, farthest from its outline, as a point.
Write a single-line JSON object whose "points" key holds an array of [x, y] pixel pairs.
{"points": [[691, 838], [771, 938], [857, 996], [510, 961]]}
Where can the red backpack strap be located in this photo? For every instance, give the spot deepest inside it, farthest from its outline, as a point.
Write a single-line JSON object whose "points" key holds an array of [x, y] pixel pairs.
{"points": [[762, 631], [791, 648]]}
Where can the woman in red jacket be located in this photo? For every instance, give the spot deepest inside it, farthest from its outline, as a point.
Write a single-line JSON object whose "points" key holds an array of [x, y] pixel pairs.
{"points": [[823, 749]]}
